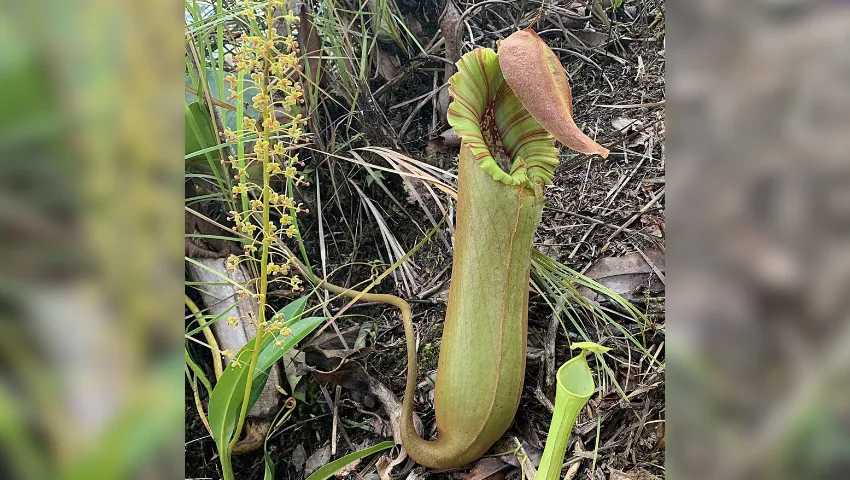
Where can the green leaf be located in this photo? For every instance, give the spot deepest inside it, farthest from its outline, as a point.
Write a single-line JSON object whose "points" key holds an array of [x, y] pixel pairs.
{"points": [[272, 353], [227, 395], [330, 469], [372, 177], [228, 115], [200, 135], [269, 473], [294, 309]]}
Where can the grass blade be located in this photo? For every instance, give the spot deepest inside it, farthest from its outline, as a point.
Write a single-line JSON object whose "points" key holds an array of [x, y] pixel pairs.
{"points": [[330, 469]]}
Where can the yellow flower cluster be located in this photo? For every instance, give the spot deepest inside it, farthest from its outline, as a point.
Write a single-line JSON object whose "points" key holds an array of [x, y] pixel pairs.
{"points": [[265, 77]]}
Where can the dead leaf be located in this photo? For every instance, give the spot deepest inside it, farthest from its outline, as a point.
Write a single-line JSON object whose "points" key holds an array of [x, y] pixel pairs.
{"points": [[345, 471], [450, 138], [639, 474], [536, 76], [490, 468], [444, 143], [388, 63], [415, 28], [299, 457], [627, 275], [351, 375], [625, 124], [308, 40], [435, 145], [416, 474], [586, 38], [528, 459], [573, 469], [384, 467], [291, 360], [318, 459]]}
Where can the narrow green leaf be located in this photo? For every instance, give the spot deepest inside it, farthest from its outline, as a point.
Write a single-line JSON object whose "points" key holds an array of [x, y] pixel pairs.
{"points": [[271, 353], [269, 469], [229, 391], [294, 309], [197, 370], [330, 469], [199, 131]]}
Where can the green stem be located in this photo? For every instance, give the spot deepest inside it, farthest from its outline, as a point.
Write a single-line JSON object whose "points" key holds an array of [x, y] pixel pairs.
{"points": [[575, 386], [227, 467], [240, 144], [264, 257]]}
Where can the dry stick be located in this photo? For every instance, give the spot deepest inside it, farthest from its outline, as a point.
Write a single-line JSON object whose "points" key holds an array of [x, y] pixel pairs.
{"points": [[579, 159], [416, 110], [634, 217], [541, 397], [469, 10], [549, 350], [217, 103], [593, 227], [198, 405], [435, 111], [651, 265], [592, 220], [632, 173], [412, 65], [622, 227], [420, 97], [342, 427], [322, 246], [635, 105], [333, 406]]}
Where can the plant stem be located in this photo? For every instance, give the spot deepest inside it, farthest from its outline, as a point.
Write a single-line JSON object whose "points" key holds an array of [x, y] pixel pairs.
{"points": [[264, 257]]}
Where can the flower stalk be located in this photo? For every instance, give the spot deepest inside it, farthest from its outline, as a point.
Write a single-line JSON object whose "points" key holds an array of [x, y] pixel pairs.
{"points": [[264, 65]]}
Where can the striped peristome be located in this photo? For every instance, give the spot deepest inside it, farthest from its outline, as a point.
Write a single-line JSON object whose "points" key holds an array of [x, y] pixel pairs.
{"points": [[479, 88]]}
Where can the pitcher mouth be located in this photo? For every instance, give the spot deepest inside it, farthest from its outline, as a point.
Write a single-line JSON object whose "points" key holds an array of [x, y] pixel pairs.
{"points": [[506, 141], [575, 379]]}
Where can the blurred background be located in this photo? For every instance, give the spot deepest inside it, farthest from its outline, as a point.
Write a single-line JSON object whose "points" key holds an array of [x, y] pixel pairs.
{"points": [[91, 239], [758, 217]]}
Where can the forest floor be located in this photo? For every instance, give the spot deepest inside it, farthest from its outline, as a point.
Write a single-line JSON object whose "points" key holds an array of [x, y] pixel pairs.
{"points": [[597, 208]]}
